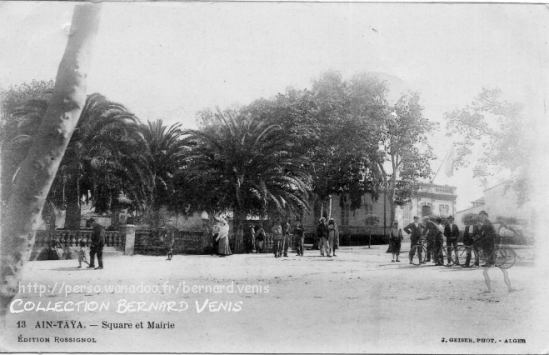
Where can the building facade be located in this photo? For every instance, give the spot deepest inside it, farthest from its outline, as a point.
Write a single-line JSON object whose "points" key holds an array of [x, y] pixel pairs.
{"points": [[501, 201], [431, 199]]}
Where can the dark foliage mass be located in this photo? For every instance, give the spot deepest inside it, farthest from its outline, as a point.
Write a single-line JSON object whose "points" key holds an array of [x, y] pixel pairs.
{"points": [[273, 156], [104, 158]]}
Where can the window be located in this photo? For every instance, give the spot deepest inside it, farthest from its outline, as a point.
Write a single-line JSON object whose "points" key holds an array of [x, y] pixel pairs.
{"points": [[444, 210], [425, 210]]}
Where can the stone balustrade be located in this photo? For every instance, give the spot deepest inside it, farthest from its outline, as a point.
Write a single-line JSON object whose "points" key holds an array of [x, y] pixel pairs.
{"points": [[71, 238], [127, 239]]}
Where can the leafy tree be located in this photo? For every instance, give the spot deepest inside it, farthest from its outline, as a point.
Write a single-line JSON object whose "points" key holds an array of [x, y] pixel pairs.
{"points": [[102, 157], [405, 151], [334, 125], [38, 170], [354, 141], [16, 128], [17, 95], [245, 165], [497, 130]]}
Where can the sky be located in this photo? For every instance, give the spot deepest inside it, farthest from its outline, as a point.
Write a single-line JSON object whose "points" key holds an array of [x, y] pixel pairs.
{"points": [[169, 60]]}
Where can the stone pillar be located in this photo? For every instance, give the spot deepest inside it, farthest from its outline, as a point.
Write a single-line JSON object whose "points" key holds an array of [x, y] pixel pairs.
{"points": [[128, 232]]}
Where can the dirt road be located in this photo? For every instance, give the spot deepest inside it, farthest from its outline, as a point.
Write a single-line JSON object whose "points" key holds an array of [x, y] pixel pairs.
{"points": [[356, 302]]}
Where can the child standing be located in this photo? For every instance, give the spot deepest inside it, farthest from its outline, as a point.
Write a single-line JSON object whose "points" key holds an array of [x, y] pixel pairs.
{"points": [[169, 239], [82, 254]]}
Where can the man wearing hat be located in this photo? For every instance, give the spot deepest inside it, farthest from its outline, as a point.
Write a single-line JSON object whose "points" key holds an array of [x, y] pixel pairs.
{"points": [[470, 234], [415, 231], [451, 232], [97, 244], [488, 238]]}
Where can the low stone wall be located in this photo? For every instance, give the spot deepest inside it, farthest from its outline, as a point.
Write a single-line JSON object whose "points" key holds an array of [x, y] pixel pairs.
{"points": [[64, 244]]}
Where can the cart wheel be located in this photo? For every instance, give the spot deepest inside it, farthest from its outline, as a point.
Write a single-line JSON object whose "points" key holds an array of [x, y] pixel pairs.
{"points": [[505, 257]]}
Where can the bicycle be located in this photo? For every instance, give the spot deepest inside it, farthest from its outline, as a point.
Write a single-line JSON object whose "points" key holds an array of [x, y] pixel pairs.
{"points": [[504, 256], [463, 250], [508, 229], [454, 256], [419, 253], [438, 255]]}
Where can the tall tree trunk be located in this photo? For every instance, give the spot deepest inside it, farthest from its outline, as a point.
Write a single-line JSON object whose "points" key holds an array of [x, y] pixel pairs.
{"points": [[74, 212], [329, 206], [39, 168], [392, 205], [392, 212], [155, 218], [73, 216], [321, 208], [238, 231]]}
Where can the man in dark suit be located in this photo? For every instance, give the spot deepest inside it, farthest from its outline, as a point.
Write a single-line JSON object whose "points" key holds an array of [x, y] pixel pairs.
{"points": [[470, 234], [451, 232], [488, 244], [97, 244], [415, 231], [487, 239], [300, 237]]}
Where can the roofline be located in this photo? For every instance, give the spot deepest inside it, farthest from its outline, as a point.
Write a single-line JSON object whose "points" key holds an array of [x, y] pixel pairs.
{"points": [[467, 209], [436, 195], [508, 181]]}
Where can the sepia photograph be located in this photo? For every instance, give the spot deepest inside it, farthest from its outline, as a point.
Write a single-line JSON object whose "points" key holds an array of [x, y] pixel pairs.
{"points": [[274, 177]]}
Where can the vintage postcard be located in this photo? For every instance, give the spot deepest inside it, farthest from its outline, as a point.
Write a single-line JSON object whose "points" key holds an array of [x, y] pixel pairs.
{"points": [[279, 177]]}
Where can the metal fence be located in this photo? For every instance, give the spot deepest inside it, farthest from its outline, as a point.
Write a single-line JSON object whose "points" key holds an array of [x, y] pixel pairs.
{"points": [[155, 241]]}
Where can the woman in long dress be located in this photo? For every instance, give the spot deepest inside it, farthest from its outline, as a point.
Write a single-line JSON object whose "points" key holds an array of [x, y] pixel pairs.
{"points": [[222, 230]]}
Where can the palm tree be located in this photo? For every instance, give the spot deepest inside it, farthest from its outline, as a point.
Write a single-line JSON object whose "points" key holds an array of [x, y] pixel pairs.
{"points": [[165, 155], [101, 161], [105, 158], [245, 165]]}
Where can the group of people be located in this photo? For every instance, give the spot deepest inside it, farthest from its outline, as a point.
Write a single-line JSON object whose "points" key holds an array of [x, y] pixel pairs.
{"points": [[432, 231], [282, 237], [255, 238], [327, 235], [479, 234]]}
